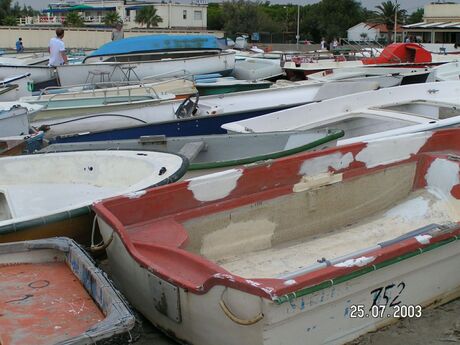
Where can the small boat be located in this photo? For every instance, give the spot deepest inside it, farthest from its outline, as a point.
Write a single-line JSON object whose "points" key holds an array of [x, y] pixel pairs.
{"points": [[258, 68], [394, 55], [93, 101], [138, 57], [51, 292], [11, 89], [367, 115], [324, 246], [14, 118], [214, 152], [47, 195], [193, 116], [217, 86], [385, 76], [447, 71]]}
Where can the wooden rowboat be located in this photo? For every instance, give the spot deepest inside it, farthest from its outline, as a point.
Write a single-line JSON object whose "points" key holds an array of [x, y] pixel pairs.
{"points": [[324, 246], [211, 152], [52, 293], [49, 194]]}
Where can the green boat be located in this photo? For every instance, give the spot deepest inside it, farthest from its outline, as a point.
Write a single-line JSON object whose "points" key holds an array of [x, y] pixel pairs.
{"points": [[212, 153], [217, 86]]}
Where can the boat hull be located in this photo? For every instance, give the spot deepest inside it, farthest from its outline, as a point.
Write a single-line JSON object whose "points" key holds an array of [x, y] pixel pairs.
{"points": [[321, 316], [84, 73]]}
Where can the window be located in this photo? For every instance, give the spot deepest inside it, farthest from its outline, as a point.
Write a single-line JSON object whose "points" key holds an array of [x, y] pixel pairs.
{"points": [[197, 15], [184, 14]]}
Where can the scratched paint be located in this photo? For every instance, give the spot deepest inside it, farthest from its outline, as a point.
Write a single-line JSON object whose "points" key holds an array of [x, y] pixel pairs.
{"points": [[386, 151], [214, 186], [322, 164], [441, 176], [32, 293]]}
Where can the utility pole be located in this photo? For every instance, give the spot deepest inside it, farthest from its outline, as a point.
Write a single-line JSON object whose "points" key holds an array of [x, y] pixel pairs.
{"points": [[396, 19], [298, 21]]}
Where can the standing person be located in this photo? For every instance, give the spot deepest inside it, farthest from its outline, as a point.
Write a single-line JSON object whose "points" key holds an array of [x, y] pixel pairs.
{"points": [[323, 44], [19, 46], [117, 32], [335, 43], [56, 48]]}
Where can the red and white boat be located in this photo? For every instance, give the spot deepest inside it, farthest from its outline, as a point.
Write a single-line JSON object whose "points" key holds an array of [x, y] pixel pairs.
{"points": [[320, 247], [394, 55]]}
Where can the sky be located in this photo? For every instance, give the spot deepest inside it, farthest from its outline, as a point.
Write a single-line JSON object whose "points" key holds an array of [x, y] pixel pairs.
{"points": [[409, 5]]}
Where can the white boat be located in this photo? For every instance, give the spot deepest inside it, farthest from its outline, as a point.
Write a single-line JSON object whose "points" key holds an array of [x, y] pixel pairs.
{"points": [[447, 71], [41, 75], [25, 59], [89, 100], [138, 57], [11, 89], [248, 103], [257, 69], [368, 115], [318, 248], [14, 118], [385, 76], [45, 195]]}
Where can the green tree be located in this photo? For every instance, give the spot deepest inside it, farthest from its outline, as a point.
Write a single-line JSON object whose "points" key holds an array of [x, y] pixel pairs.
{"points": [[385, 14], [240, 16], [112, 18], [73, 19], [148, 16], [10, 21], [416, 16], [215, 16]]}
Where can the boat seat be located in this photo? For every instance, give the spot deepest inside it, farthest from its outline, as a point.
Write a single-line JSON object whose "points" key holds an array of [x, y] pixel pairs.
{"points": [[97, 73], [149, 139], [191, 150]]}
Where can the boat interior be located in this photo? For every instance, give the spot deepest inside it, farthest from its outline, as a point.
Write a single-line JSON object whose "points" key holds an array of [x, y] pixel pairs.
{"points": [[273, 231], [385, 118], [63, 181], [279, 236]]}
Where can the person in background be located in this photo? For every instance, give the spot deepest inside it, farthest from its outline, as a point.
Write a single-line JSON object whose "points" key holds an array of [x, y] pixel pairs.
{"points": [[19, 46], [117, 32], [335, 44], [56, 48], [323, 44]]}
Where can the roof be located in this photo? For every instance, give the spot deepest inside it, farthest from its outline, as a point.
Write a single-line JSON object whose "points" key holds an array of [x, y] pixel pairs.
{"points": [[436, 25], [382, 27], [142, 44]]}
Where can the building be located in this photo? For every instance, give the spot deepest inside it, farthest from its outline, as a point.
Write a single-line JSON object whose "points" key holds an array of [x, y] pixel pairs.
{"points": [[372, 32], [174, 15], [441, 24]]}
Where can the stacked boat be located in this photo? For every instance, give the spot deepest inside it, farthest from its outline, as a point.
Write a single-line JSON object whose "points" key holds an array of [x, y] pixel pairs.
{"points": [[232, 210]]}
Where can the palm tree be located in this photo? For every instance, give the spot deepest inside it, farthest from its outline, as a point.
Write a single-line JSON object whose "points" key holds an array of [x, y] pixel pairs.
{"points": [[148, 16], [385, 14], [73, 19], [111, 19]]}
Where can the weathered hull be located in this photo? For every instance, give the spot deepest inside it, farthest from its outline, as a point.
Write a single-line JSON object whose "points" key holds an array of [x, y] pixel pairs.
{"points": [[320, 315], [255, 255], [75, 226], [52, 293], [39, 74]]}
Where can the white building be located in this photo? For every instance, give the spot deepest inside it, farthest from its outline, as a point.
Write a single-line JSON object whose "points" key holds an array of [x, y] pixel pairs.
{"points": [[441, 24], [174, 15], [371, 32]]}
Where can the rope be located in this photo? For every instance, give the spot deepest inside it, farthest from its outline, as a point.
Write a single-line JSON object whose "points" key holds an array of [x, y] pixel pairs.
{"points": [[236, 319]]}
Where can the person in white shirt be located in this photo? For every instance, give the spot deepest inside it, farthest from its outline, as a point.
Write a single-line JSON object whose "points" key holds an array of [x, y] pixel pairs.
{"points": [[56, 48]]}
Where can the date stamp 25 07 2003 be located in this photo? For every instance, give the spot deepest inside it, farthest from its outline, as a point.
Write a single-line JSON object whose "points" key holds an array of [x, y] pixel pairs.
{"points": [[386, 303]]}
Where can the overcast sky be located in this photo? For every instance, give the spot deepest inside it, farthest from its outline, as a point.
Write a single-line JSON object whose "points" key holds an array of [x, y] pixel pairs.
{"points": [[409, 5]]}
